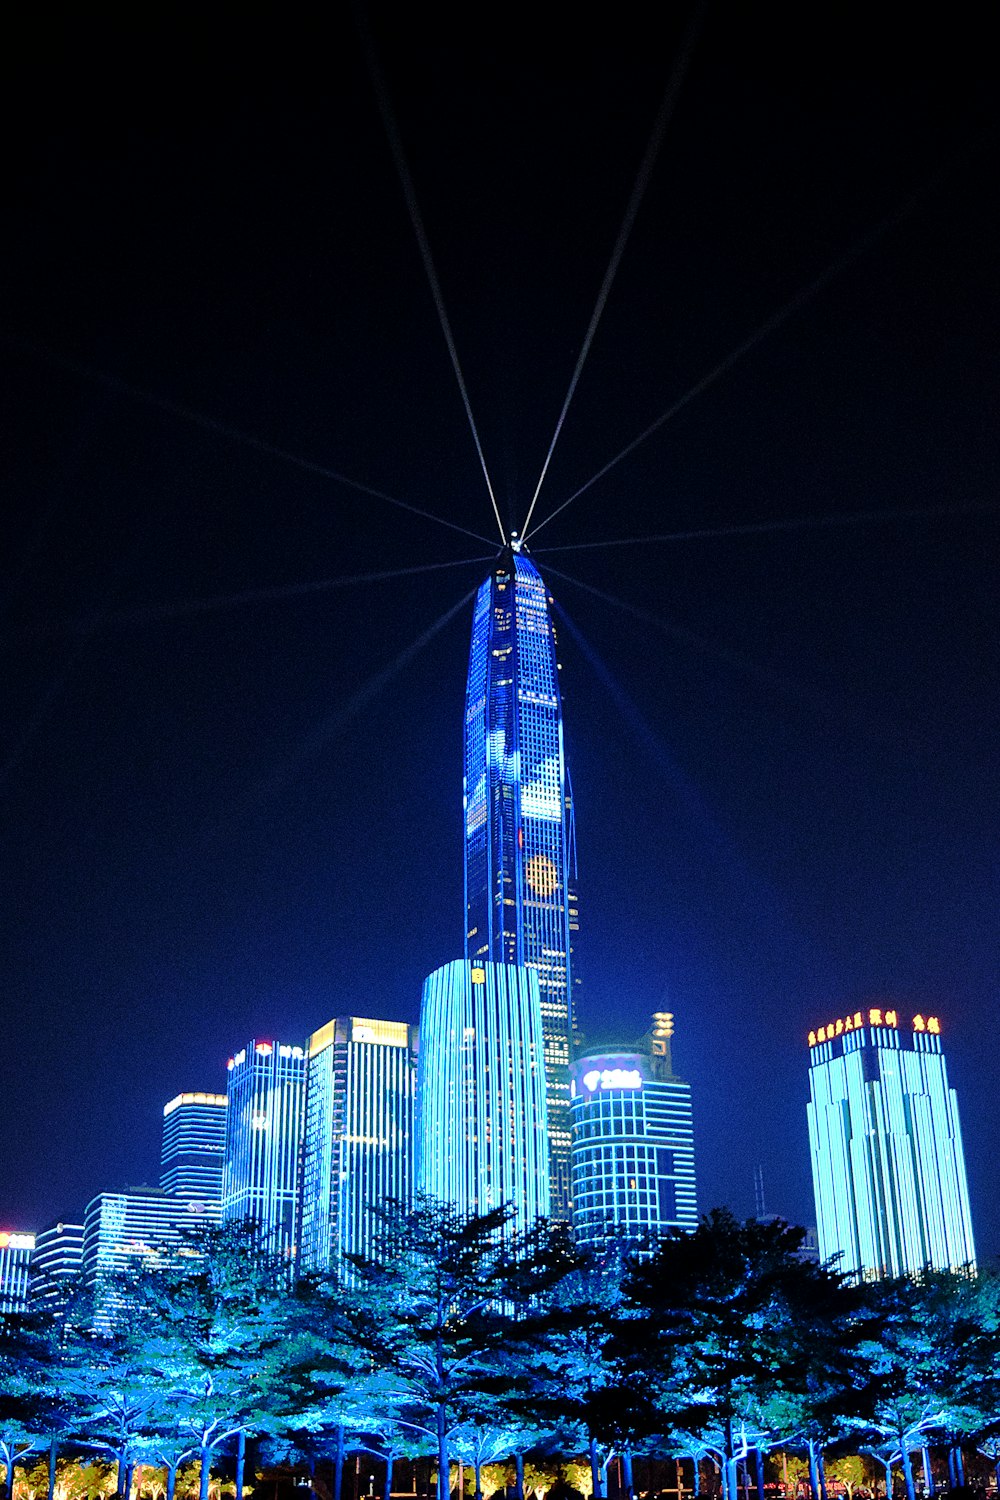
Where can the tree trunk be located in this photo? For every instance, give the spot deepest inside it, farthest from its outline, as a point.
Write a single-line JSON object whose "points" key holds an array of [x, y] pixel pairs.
{"points": [[996, 1474], [904, 1450], [959, 1466], [241, 1462], [821, 1466], [758, 1459], [53, 1455], [627, 1470], [171, 1480], [950, 1457], [389, 1465], [9, 1481], [925, 1455], [444, 1458], [206, 1472], [478, 1468], [813, 1470], [129, 1473], [338, 1464], [519, 1476], [696, 1488], [595, 1470]]}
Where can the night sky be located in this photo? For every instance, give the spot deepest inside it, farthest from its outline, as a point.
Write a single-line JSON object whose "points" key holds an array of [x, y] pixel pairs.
{"points": [[230, 814]]}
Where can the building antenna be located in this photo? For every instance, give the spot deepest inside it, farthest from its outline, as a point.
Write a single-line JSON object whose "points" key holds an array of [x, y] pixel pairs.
{"points": [[677, 75], [758, 1191], [410, 195]]}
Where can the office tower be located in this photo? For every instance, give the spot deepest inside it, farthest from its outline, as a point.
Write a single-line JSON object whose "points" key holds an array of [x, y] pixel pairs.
{"points": [[358, 1152], [633, 1144], [520, 853], [481, 1091], [887, 1160], [16, 1250], [57, 1261], [143, 1228], [193, 1146], [265, 1116]]}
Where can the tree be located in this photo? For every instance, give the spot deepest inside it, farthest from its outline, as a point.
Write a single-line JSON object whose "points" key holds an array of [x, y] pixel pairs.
{"points": [[723, 1318], [442, 1295], [211, 1319]]}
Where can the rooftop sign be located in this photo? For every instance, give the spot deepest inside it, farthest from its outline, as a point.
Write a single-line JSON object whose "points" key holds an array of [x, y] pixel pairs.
{"points": [[874, 1016]]}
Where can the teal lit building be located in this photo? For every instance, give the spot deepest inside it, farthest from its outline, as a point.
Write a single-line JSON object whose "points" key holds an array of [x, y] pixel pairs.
{"points": [[887, 1160], [632, 1144], [264, 1122], [483, 1141], [359, 1136], [193, 1146], [520, 855]]}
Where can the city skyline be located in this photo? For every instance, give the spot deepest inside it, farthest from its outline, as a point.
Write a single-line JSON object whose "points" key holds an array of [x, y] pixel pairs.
{"points": [[232, 822]]}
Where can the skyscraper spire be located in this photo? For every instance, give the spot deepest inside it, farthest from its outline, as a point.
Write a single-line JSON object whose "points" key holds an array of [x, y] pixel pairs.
{"points": [[520, 855]]}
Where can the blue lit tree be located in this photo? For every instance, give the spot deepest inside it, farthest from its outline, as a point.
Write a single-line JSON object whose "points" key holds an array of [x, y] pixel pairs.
{"points": [[443, 1294], [723, 1319]]}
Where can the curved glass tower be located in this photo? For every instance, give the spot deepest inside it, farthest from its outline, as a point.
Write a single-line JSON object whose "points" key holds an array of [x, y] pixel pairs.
{"points": [[481, 1091], [520, 854]]}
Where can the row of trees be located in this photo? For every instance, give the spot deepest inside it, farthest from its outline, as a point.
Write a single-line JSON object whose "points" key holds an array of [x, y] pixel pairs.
{"points": [[463, 1340]]}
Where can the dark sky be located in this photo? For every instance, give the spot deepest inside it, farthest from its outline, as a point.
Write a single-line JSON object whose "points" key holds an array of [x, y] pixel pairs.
{"points": [[238, 821]]}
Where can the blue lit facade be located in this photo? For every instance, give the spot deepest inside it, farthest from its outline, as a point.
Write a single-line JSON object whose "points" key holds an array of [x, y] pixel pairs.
{"points": [[520, 855], [359, 1136], [193, 1146], [483, 1141], [887, 1160], [265, 1117], [57, 1261], [633, 1145]]}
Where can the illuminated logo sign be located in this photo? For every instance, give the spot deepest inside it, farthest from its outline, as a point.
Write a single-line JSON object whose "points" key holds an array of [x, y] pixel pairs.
{"points": [[612, 1078], [13, 1241], [263, 1049], [874, 1016], [478, 976]]}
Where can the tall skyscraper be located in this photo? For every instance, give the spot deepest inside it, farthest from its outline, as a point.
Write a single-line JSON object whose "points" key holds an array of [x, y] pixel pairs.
{"points": [[359, 1136], [16, 1250], [887, 1160], [193, 1146], [520, 852], [265, 1116], [633, 1144], [482, 1132], [143, 1228]]}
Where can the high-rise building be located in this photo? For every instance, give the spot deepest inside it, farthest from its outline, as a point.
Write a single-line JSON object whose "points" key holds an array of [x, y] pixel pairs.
{"points": [[16, 1249], [143, 1228], [633, 1144], [193, 1146], [482, 1132], [887, 1160], [520, 853], [57, 1261], [265, 1116], [359, 1136]]}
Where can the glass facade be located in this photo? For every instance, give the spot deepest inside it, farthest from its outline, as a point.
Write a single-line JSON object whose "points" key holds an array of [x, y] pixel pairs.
{"points": [[887, 1160], [58, 1258], [482, 1136], [520, 855], [265, 1115], [193, 1146], [360, 1086], [633, 1145]]}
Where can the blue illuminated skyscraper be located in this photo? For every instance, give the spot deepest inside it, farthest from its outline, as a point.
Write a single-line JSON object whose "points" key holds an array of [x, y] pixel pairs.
{"points": [[887, 1160], [359, 1136], [481, 1093], [520, 854], [633, 1144], [265, 1116], [193, 1146]]}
